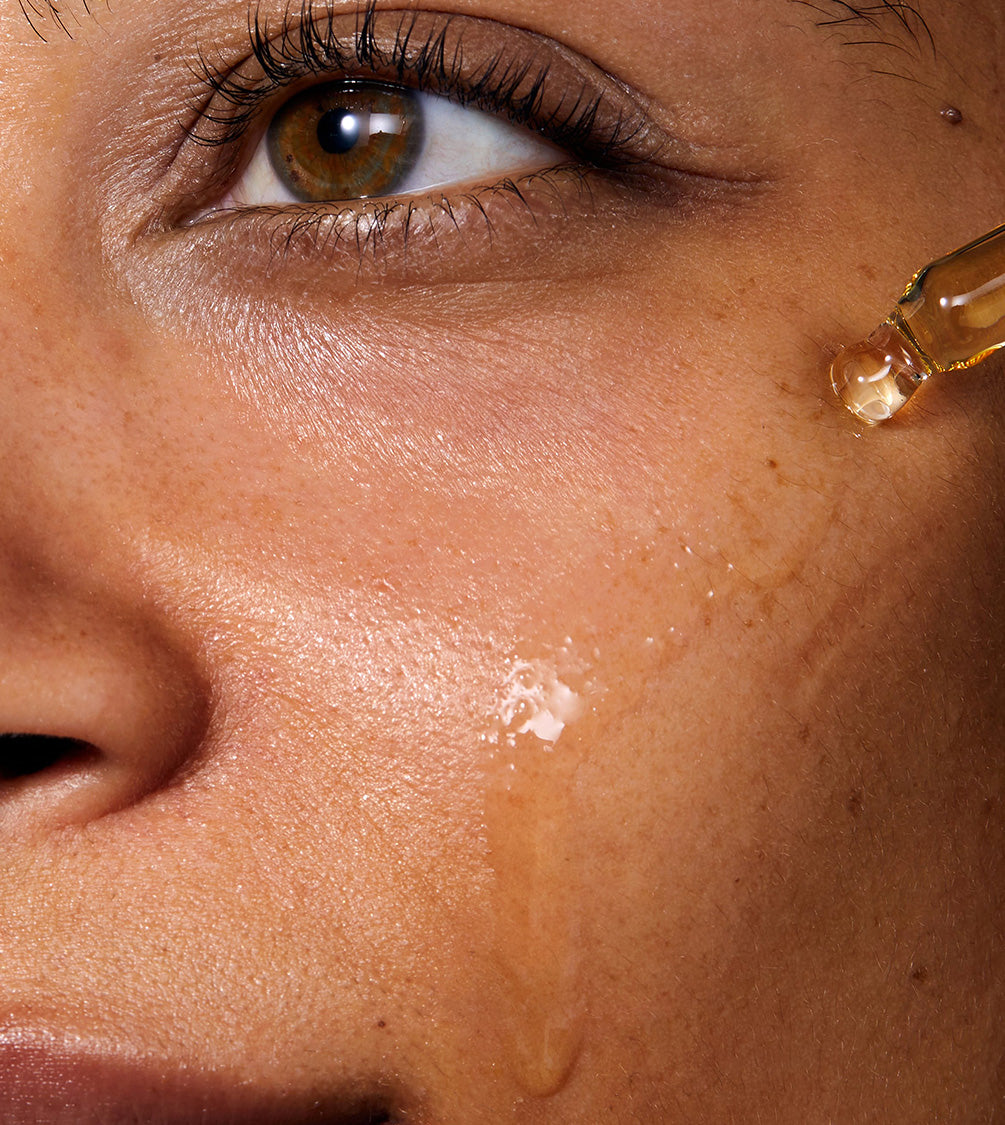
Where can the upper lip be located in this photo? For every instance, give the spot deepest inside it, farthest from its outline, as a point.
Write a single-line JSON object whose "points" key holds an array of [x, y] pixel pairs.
{"points": [[48, 1079]]}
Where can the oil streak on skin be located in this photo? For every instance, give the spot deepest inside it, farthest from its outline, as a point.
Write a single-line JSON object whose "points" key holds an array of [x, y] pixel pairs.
{"points": [[531, 822]]}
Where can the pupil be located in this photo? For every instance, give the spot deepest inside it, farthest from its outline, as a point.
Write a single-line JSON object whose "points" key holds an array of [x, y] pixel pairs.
{"points": [[338, 131]]}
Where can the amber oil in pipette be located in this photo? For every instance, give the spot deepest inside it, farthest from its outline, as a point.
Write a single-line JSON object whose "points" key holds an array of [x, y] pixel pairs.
{"points": [[952, 315]]}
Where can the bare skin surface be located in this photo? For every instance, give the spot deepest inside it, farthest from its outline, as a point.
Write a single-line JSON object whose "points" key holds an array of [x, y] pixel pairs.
{"points": [[515, 691]]}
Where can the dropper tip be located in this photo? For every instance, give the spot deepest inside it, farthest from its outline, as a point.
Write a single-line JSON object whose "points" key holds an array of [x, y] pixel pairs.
{"points": [[875, 377]]}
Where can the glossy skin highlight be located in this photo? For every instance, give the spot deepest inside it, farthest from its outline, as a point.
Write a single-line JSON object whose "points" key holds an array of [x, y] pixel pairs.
{"points": [[276, 531]]}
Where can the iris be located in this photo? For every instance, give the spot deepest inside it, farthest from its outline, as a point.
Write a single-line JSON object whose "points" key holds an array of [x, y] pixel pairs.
{"points": [[346, 140]]}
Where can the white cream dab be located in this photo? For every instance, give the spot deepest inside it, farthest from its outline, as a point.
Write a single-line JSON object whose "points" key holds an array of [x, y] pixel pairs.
{"points": [[535, 701]]}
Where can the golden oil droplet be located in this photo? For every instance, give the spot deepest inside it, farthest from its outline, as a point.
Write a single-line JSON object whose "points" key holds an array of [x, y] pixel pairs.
{"points": [[530, 828], [530, 821], [876, 377], [951, 315]]}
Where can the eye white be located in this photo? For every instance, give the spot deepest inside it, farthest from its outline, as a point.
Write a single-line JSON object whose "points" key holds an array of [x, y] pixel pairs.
{"points": [[460, 146]]}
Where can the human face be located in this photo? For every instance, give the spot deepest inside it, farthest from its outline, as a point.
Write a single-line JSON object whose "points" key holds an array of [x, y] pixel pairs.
{"points": [[503, 685]]}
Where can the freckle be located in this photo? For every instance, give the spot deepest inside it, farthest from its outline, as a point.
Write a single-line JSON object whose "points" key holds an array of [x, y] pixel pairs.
{"points": [[920, 974], [771, 463], [951, 115], [867, 271]]}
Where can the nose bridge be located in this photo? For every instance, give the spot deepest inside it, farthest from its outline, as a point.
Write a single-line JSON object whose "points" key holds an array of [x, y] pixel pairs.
{"points": [[52, 276], [61, 425]]}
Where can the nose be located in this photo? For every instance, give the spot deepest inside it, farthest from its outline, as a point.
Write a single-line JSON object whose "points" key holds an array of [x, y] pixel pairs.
{"points": [[102, 701], [100, 707]]}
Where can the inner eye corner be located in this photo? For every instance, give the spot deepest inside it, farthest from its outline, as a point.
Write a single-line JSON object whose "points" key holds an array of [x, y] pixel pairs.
{"points": [[26, 755]]}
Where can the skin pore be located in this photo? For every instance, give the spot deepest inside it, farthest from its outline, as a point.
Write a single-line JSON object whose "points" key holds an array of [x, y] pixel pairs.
{"points": [[514, 689]]}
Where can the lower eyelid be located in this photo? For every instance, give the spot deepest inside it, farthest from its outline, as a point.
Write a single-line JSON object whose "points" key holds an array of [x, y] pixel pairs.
{"points": [[382, 235], [568, 226], [519, 226], [409, 239]]}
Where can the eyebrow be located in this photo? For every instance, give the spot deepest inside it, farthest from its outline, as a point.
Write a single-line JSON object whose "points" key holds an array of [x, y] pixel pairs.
{"points": [[884, 23], [38, 13], [892, 25]]}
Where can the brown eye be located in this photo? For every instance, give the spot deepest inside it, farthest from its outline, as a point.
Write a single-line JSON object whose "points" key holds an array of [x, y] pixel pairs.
{"points": [[352, 139], [345, 140]]}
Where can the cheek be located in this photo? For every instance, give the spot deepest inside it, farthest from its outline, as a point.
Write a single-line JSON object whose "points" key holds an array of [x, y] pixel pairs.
{"points": [[409, 519], [550, 454], [550, 615]]}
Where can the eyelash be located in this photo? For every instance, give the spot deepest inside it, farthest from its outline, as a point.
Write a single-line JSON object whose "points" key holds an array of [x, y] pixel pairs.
{"points": [[430, 59], [306, 45]]}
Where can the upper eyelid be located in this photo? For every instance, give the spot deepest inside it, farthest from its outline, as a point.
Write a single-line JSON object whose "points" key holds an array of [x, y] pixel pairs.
{"points": [[514, 71]]}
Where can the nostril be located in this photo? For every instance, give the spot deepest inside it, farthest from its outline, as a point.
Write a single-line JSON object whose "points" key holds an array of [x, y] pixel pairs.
{"points": [[25, 755], [85, 733], [47, 780], [104, 696]]}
